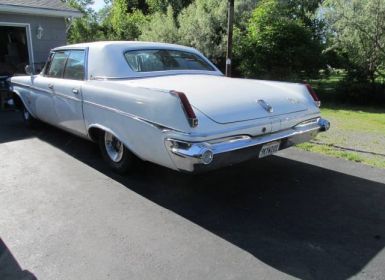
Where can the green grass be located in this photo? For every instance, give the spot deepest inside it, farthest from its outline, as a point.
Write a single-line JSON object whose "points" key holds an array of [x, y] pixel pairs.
{"points": [[352, 127], [356, 118], [359, 128]]}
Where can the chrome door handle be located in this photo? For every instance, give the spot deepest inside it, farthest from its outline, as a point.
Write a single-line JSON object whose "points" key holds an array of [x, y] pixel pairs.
{"points": [[75, 91], [50, 86]]}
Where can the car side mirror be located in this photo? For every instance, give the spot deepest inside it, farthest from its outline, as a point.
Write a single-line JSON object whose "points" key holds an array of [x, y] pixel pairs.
{"points": [[28, 69]]}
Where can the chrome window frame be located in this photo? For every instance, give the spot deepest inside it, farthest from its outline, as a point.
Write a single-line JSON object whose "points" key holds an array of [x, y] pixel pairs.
{"points": [[51, 54]]}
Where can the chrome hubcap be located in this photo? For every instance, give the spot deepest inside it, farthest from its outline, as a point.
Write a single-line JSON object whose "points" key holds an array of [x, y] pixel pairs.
{"points": [[113, 146]]}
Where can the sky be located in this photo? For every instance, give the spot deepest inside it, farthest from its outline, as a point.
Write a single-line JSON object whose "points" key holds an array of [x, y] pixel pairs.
{"points": [[98, 4]]}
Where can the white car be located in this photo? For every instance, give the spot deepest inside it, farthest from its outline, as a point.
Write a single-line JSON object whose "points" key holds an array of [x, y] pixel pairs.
{"points": [[167, 104]]}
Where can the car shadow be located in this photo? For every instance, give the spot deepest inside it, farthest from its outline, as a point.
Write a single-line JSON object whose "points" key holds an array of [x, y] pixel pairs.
{"points": [[12, 127], [306, 221], [10, 268]]}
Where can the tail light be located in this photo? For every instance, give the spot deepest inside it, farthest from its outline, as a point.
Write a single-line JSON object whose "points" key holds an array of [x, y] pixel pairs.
{"points": [[313, 94], [188, 110]]}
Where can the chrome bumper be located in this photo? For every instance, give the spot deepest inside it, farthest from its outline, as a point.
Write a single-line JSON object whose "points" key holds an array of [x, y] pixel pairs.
{"points": [[200, 156]]}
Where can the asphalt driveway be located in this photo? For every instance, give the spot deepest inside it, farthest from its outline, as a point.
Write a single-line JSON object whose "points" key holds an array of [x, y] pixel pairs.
{"points": [[63, 215]]}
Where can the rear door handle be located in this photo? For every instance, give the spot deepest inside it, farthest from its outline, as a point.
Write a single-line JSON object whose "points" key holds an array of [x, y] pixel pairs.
{"points": [[50, 86], [75, 91]]}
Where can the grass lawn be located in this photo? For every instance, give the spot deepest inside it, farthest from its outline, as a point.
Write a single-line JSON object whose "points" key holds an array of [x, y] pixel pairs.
{"points": [[356, 133]]}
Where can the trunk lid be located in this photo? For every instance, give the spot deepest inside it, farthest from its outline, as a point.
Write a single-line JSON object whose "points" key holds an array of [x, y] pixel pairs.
{"points": [[227, 100]]}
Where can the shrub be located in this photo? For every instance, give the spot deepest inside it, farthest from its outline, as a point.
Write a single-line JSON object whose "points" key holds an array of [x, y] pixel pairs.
{"points": [[359, 92]]}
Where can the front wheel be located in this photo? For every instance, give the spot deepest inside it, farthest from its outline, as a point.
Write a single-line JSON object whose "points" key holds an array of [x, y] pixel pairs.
{"points": [[117, 156], [28, 119]]}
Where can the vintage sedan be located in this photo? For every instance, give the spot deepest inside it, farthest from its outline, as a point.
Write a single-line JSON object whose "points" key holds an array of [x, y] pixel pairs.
{"points": [[167, 104]]}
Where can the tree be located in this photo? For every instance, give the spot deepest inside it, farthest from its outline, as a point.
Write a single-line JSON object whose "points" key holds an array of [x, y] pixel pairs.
{"points": [[161, 28], [277, 46], [133, 5], [125, 23], [156, 6], [86, 28], [357, 28], [243, 11], [83, 6], [203, 26]]}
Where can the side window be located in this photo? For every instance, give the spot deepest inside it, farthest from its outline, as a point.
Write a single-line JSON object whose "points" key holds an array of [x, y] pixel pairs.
{"points": [[74, 69], [56, 67], [47, 64]]}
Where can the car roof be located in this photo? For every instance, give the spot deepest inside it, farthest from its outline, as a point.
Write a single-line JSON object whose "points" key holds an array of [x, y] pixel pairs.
{"points": [[106, 58], [125, 45]]}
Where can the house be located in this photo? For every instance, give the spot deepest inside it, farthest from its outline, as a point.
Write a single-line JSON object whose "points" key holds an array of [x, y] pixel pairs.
{"points": [[29, 29]]}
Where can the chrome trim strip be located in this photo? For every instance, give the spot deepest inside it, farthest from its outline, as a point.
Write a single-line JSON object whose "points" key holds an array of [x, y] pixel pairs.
{"points": [[156, 74], [32, 87], [87, 50], [49, 92]]}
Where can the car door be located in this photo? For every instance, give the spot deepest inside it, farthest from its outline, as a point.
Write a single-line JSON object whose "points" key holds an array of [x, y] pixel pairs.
{"points": [[42, 93], [67, 97]]}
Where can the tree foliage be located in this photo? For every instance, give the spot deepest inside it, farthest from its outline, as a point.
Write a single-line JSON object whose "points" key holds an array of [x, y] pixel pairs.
{"points": [[161, 6], [357, 30], [125, 22], [276, 45], [203, 26], [86, 28], [161, 28], [273, 38]]}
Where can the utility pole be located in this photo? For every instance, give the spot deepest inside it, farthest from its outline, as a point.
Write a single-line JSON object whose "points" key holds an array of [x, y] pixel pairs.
{"points": [[230, 17]]}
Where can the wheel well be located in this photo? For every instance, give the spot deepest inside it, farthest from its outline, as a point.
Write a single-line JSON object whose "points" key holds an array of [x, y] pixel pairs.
{"points": [[18, 102], [94, 133]]}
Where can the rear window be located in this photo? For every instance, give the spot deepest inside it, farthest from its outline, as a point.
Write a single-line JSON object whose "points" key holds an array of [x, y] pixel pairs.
{"points": [[163, 60]]}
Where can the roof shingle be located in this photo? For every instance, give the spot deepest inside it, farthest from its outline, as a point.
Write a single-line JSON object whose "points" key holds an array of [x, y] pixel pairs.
{"points": [[42, 4]]}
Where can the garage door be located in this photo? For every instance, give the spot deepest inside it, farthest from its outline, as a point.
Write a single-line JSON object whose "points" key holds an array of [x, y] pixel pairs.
{"points": [[13, 50]]}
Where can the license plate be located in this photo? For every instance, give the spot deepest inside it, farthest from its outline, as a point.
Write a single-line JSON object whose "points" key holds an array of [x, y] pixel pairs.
{"points": [[269, 149]]}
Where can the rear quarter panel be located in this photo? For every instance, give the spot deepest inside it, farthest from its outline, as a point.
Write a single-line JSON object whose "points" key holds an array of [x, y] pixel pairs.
{"points": [[136, 116]]}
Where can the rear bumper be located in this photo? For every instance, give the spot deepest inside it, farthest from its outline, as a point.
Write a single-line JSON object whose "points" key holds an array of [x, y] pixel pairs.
{"points": [[201, 156]]}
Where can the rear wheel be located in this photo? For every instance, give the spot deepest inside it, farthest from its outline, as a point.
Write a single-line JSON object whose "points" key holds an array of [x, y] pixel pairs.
{"points": [[117, 156]]}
